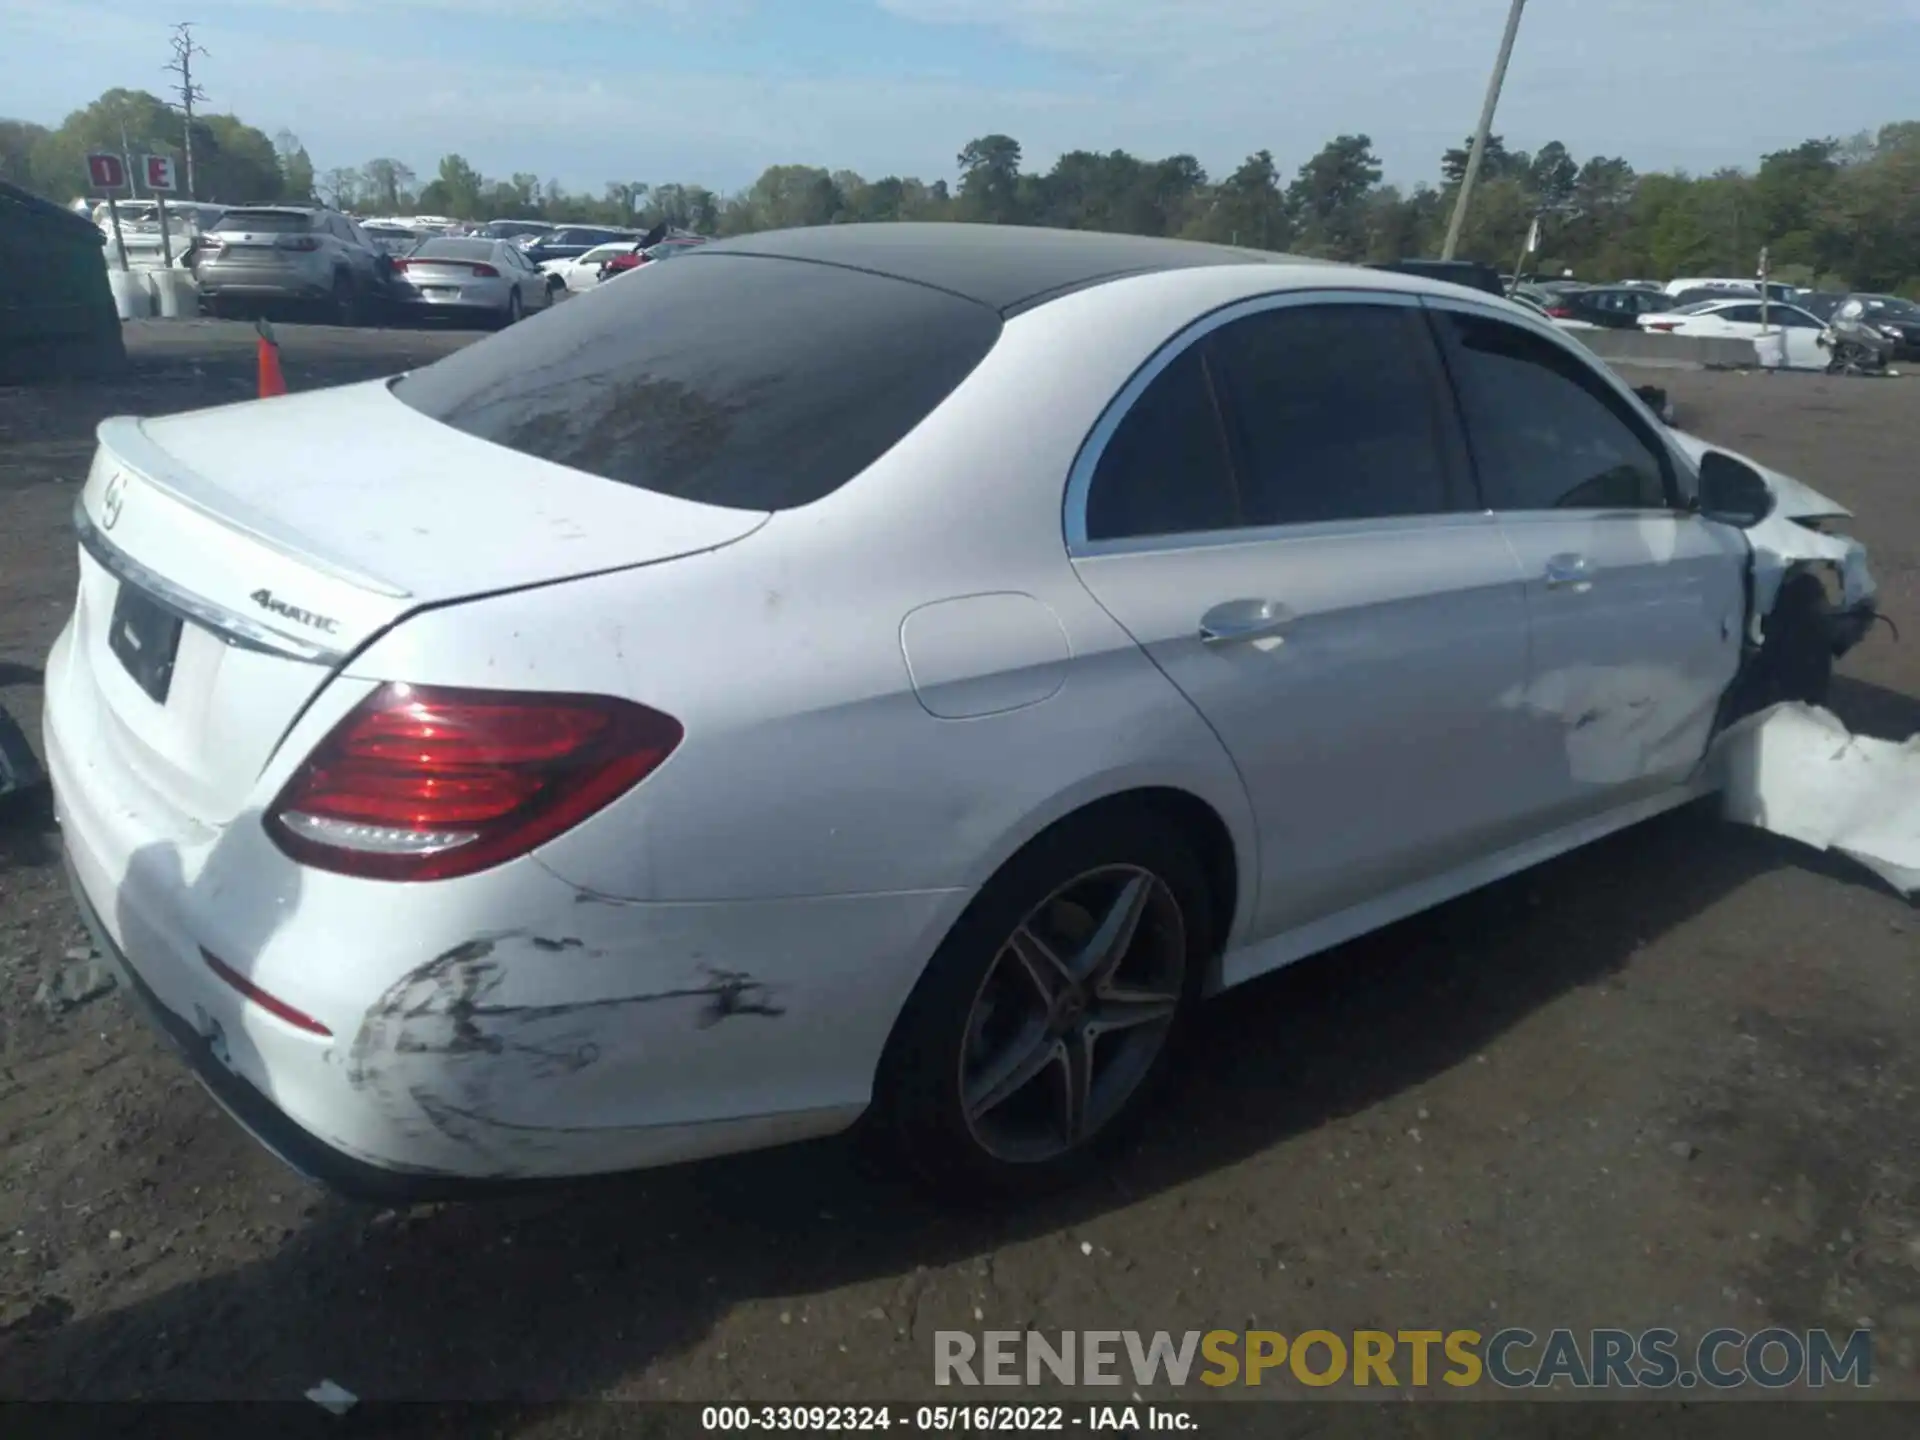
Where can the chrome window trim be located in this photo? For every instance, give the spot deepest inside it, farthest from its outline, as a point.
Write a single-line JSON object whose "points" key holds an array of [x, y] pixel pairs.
{"points": [[240, 631], [1087, 463]]}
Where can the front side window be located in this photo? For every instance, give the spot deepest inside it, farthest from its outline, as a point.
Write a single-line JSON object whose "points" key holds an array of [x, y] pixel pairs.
{"points": [[1335, 408], [1546, 432]]}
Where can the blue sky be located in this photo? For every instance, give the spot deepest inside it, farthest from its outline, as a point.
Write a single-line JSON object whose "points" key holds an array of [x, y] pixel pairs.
{"points": [[713, 91]]}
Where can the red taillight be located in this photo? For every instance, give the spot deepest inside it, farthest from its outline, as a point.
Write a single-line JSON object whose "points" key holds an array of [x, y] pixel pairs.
{"points": [[426, 784], [400, 262], [486, 270], [1665, 327], [272, 1004], [1560, 312]]}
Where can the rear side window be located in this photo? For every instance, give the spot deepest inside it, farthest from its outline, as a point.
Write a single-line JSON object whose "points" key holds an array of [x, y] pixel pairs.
{"points": [[1336, 407], [1166, 471], [752, 383]]}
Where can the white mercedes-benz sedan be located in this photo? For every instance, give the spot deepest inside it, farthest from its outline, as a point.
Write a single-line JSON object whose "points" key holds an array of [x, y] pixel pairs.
{"points": [[874, 670]]}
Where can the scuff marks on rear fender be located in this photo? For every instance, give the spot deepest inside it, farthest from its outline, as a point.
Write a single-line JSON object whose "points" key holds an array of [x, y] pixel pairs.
{"points": [[466, 1046]]}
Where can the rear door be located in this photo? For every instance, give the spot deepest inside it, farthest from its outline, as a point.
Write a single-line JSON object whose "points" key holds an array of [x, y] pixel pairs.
{"points": [[1636, 604], [1278, 511]]}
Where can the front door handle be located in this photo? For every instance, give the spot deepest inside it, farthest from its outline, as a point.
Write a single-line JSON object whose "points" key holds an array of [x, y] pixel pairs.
{"points": [[1569, 572], [1236, 620]]}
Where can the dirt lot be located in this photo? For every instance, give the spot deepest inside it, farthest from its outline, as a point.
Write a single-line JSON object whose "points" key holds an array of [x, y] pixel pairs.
{"points": [[1670, 1080]]}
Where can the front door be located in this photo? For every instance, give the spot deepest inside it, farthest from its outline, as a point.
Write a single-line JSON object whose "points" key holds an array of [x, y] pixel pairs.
{"points": [[1284, 520], [1637, 604]]}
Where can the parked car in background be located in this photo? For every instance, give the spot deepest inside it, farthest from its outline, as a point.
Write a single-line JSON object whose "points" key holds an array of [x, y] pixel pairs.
{"points": [[514, 229], [472, 278], [1474, 274], [1561, 322], [582, 272], [393, 239], [1149, 616], [187, 221], [1775, 290], [1740, 319], [569, 242], [1821, 302], [260, 254], [653, 254], [1893, 316], [1611, 307]]}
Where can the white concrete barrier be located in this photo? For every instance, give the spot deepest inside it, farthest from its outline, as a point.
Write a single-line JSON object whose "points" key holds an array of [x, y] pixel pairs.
{"points": [[1654, 350]]}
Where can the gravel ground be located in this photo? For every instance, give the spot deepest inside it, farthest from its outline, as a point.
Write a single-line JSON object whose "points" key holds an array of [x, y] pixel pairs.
{"points": [[1668, 1080]]}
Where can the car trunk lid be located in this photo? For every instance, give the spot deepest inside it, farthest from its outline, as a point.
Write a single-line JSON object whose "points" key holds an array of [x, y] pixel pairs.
{"points": [[233, 559]]}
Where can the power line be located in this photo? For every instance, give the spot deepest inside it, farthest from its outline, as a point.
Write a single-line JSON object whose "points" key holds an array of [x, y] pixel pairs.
{"points": [[185, 48]]}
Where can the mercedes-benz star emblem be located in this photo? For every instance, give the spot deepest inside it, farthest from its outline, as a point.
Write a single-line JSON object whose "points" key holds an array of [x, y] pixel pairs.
{"points": [[111, 502]]}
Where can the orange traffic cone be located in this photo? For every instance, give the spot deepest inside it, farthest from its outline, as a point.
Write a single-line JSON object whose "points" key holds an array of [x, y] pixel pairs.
{"points": [[272, 382]]}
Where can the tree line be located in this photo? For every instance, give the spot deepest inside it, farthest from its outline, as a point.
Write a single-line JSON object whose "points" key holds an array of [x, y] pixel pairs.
{"points": [[1831, 212]]}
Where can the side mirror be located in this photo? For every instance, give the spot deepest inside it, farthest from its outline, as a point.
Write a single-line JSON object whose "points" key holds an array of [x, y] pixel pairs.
{"points": [[1733, 493]]}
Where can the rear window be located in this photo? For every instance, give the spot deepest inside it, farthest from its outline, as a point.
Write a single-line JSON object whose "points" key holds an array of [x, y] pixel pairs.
{"points": [[752, 383], [267, 222], [443, 249]]}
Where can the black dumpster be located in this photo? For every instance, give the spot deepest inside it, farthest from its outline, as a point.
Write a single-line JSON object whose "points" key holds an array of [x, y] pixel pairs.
{"points": [[57, 317]]}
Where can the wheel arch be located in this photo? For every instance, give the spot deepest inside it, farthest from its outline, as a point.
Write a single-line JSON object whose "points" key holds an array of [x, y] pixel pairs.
{"points": [[1224, 851]]}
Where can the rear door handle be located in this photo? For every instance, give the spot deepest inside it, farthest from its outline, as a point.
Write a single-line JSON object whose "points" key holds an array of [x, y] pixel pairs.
{"points": [[1569, 572], [1236, 620]]}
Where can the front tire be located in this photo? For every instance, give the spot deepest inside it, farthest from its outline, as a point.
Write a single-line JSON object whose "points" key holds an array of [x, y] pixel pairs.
{"points": [[1045, 1020]]}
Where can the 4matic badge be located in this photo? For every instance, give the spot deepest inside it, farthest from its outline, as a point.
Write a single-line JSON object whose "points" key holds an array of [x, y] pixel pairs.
{"points": [[267, 600]]}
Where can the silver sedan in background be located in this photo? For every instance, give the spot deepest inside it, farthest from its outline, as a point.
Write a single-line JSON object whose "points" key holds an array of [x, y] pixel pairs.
{"points": [[481, 279]]}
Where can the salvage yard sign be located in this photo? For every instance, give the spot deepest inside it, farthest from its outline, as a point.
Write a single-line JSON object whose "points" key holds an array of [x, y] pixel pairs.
{"points": [[158, 174], [106, 172]]}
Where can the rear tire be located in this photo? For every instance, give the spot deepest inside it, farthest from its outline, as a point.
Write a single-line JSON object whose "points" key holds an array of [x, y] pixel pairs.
{"points": [[512, 317], [948, 1095]]}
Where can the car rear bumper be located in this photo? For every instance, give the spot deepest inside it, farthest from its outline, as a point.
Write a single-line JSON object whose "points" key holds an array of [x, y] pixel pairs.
{"points": [[612, 1036], [263, 282]]}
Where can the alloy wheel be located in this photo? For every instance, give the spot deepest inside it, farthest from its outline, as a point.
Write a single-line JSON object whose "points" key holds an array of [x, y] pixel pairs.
{"points": [[1072, 1013]]}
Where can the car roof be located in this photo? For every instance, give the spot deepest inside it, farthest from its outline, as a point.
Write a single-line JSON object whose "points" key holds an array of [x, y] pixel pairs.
{"points": [[1007, 268]]}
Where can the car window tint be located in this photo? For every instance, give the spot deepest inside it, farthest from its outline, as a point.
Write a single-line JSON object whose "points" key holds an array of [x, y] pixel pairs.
{"points": [[1546, 433], [746, 382], [1334, 407], [264, 222], [1166, 469], [1796, 319], [1739, 314]]}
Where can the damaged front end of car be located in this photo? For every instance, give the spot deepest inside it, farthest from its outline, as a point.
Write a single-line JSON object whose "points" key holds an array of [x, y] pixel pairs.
{"points": [[1781, 762], [1812, 596]]}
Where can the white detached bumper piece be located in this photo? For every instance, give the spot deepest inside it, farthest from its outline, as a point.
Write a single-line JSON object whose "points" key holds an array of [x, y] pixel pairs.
{"points": [[1797, 771]]}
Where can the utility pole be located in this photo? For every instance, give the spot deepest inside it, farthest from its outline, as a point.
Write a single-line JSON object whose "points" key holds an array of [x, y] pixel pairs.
{"points": [[1486, 127], [184, 50]]}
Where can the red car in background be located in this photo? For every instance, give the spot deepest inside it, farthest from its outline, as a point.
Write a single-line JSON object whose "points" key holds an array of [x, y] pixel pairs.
{"points": [[649, 254]]}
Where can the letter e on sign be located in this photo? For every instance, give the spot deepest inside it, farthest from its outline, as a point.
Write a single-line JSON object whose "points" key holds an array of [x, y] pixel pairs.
{"points": [[159, 176], [105, 172]]}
